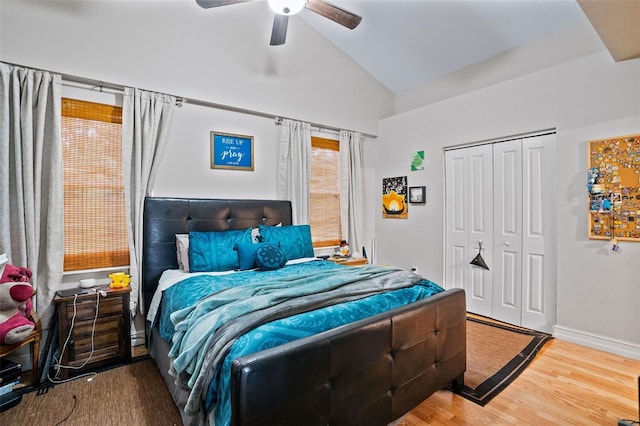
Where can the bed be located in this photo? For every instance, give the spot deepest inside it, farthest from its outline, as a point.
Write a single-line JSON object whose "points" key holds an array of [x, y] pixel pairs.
{"points": [[370, 371]]}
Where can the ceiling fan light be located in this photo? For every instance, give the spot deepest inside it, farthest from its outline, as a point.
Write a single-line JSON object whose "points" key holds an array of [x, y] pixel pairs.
{"points": [[287, 7]]}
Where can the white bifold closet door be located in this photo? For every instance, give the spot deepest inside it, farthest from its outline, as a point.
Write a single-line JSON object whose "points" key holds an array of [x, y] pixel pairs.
{"points": [[469, 207], [500, 196]]}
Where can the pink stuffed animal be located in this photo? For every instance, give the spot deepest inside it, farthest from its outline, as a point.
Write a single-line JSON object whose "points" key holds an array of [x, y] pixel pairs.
{"points": [[15, 304]]}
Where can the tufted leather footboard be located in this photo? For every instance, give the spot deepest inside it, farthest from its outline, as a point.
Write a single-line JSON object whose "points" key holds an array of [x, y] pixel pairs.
{"points": [[366, 373]]}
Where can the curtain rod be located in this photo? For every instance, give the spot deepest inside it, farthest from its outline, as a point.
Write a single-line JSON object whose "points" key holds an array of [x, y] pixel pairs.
{"points": [[193, 101]]}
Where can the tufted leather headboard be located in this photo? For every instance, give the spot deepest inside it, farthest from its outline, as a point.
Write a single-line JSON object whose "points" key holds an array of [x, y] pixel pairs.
{"points": [[165, 217]]}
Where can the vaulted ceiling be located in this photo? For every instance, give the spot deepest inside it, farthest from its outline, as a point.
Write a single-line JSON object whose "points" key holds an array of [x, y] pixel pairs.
{"points": [[420, 40], [424, 39]]}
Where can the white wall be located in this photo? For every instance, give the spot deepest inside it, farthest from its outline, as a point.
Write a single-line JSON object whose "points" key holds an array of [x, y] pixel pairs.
{"points": [[185, 170], [587, 98]]}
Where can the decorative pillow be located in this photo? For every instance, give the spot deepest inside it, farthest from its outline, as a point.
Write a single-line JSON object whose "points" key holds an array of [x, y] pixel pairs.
{"points": [[247, 255], [270, 257], [182, 251], [294, 240], [213, 251]]}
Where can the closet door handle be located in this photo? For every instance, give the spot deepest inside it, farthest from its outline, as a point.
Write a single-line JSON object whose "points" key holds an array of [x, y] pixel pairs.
{"points": [[507, 243]]}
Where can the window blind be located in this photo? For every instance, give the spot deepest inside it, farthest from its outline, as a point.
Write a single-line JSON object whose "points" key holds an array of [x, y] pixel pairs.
{"points": [[324, 200], [95, 227]]}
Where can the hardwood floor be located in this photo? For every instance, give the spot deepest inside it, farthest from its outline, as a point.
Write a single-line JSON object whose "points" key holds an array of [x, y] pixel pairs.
{"points": [[566, 384]]}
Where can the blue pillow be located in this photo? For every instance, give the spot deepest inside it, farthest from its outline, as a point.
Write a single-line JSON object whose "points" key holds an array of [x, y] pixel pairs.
{"points": [[294, 240], [213, 251], [270, 257], [247, 254]]}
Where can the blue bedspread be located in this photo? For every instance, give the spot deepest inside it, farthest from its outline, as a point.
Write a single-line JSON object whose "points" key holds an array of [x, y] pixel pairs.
{"points": [[189, 291], [185, 296]]}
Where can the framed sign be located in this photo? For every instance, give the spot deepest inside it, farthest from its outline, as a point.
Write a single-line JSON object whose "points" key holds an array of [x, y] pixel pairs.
{"points": [[229, 151]]}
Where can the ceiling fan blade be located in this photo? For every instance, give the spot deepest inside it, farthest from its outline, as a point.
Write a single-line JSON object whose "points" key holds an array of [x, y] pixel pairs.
{"points": [[206, 4], [335, 13], [279, 31]]}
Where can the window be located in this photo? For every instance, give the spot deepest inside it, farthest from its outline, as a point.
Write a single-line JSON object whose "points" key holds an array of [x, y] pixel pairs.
{"points": [[324, 200], [95, 226]]}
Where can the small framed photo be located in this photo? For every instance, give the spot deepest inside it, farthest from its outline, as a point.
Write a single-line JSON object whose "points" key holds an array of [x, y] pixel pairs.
{"points": [[417, 194], [233, 152]]}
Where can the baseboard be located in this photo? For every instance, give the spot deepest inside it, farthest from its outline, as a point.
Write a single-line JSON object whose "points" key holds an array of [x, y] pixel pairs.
{"points": [[137, 341], [592, 340]]}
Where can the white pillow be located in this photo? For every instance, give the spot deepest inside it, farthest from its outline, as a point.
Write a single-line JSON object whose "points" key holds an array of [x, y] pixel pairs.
{"points": [[182, 250]]}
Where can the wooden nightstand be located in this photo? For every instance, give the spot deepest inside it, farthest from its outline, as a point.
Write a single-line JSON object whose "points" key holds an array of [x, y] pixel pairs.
{"points": [[111, 337], [349, 261]]}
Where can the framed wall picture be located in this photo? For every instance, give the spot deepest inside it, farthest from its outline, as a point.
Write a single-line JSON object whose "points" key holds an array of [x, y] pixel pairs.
{"points": [[394, 198], [417, 194], [417, 161], [229, 151]]}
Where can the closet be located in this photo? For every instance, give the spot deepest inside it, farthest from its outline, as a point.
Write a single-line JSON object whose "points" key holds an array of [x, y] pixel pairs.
{"points": [[500, 206]]}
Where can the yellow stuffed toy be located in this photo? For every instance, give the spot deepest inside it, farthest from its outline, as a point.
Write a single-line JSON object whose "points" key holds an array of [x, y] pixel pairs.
{"points": [[119, 280]]}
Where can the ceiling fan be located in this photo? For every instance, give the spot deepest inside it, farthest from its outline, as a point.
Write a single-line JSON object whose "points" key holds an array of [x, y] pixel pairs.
{"points": [[285, 8]]}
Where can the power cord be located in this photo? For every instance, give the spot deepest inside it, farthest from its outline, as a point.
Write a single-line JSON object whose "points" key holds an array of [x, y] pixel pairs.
{"points": [[58, 366], [75, 401]]}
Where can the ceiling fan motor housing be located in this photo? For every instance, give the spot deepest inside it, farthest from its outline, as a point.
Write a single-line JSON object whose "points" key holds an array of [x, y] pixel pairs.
{"points": [[287, 7]]}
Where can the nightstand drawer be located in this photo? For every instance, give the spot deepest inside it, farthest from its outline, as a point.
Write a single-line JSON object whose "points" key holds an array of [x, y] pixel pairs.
{"points": [[106, 340], [104, 326], [86, 307]]}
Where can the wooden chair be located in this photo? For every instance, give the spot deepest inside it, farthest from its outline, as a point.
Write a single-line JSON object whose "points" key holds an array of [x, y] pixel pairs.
{"points": [[32, 339]]}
